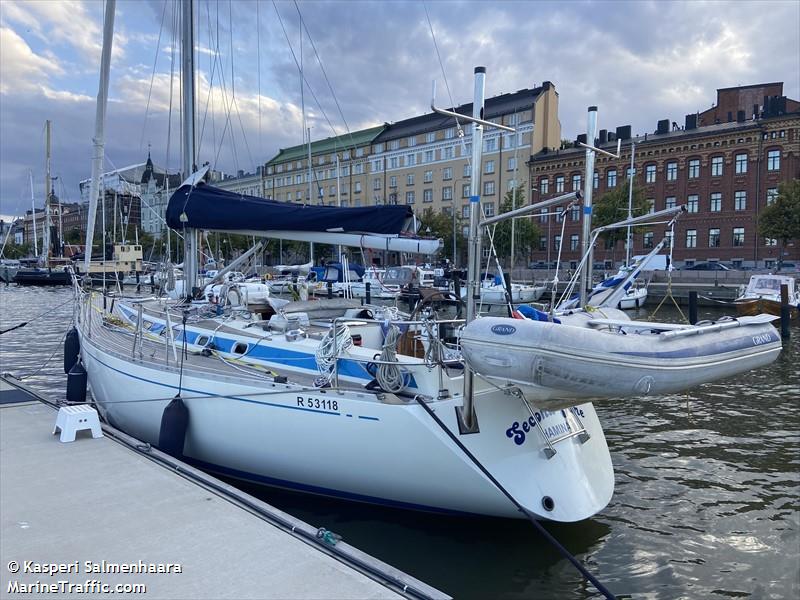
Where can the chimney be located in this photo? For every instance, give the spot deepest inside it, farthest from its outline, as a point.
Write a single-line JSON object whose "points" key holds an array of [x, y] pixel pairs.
{"points": [[755, 111], [663, 126], [740, 116], [691, 121], [603, 136], [624, 132], [582, 138]]}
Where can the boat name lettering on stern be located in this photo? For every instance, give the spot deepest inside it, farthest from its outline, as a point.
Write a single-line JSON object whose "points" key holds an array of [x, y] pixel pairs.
{"points": [[518, 432], [321, 403]]}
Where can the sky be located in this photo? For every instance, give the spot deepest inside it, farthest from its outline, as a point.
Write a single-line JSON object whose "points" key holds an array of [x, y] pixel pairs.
{"points": [[365, 63]]}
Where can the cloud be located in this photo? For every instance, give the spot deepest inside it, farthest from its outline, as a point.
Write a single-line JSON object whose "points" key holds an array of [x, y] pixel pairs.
{"points": [[638, 61]]}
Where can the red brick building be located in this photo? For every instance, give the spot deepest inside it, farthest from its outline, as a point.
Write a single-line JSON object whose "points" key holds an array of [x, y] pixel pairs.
{"points": [[724, 164]]}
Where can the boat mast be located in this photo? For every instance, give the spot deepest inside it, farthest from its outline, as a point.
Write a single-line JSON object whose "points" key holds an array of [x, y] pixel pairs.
{"points": [[99, 126], [187, 85], [630, 208], [588, 185], [33, 214], [47, 191]]}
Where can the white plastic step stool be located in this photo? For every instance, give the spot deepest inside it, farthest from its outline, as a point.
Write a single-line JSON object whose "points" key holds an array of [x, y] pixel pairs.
{"points": [[72, 419]]}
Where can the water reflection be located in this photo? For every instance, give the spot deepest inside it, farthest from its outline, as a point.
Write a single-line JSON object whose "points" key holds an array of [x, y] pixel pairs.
{"points": [[706, 499]]}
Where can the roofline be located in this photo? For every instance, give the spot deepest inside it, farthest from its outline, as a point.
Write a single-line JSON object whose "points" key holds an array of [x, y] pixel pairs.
{"points": [[745, 87]]}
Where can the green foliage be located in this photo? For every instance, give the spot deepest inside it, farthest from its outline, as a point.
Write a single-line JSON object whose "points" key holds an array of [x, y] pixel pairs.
{"points": [[18, 250], [613, 206], [526, 232], [781, 219], [441, 226], [74, 236]]}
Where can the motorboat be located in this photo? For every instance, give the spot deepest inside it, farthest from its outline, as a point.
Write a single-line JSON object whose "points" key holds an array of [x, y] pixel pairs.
{"points": [[763, 295]]}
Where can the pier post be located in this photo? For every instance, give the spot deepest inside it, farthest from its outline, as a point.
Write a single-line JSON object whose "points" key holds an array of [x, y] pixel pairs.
{"points": [[693, 307], [368, 293], [330, 290], [509, 294], [785, 311]]}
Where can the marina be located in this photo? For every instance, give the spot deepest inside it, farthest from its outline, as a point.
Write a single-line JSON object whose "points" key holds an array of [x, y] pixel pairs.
{"points": [[404, 360], [705, 494]]}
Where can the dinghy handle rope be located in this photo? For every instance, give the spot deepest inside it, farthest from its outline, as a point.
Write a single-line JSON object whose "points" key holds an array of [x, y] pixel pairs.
{"points": [[546, 534]]}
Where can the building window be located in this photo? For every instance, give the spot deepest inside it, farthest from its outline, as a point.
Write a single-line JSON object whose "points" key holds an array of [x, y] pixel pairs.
{"points": [[332, 190], [713, 238], [611, 178], [575, 213], [357, 186], [430, 137], [410, 197], [394, 145], [774, 160], [447, 192], [411, 160], [448, 153], [488, 209], [512, 183], [596, 182], [393, 181], [410, 179], [691, 238], [670, 202], [427, 195], [512, 163], [489, 167], [488, 188], [716, 202], [741, 164], [738, 236], [449, 133], [672, 171], [378, 148], [716, 166], [556, 242], [359, 169], [490, 145], [650, 174], [467, 170], [652, 205], [772, 193], [465, 190], [428, 156], [359, 152], [542, 242], [376, 184], [573, 241], [559, 216], [576, 183], [692, 203], [427, 177], [412, 141], [447, 173], [465, 213], [740, 200], [543, 215], [647, 240], [694, 168], [559, 184], [544, 186]]}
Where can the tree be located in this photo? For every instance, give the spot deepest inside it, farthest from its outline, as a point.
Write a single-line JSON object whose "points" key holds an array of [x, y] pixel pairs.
{"points": [[74, 236], [781, 219], [526, 232], [441, 226], [613, 207]]}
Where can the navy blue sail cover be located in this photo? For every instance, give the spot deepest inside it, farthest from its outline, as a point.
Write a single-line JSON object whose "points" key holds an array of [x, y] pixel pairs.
{"points": [[207, 207]]}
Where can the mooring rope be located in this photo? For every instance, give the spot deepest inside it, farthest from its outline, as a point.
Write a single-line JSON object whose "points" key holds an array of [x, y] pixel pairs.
{"points": [[531, 516]]}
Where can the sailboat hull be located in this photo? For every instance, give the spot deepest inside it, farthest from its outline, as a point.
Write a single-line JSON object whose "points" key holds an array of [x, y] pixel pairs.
{"points": [[353, 445]]}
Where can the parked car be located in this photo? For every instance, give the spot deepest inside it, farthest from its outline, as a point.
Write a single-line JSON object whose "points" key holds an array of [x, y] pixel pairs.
{"points": [[707, 266]]}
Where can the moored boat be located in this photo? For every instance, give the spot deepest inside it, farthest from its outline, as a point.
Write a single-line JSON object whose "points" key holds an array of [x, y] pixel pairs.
{"points": [[763, 295]]}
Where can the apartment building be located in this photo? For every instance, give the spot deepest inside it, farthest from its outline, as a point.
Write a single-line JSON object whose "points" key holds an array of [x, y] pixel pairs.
{"points": [[724, 164], [422, 161]]}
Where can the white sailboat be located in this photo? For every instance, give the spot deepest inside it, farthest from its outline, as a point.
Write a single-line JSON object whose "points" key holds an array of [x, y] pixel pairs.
{"points": [[391, 442]]}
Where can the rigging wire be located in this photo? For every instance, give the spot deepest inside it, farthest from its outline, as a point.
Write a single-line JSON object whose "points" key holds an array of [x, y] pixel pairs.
{"points": [[152, 76]]}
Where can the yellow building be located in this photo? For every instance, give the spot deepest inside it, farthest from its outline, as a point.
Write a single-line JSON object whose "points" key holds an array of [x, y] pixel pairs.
{"points": [[422, 161]]}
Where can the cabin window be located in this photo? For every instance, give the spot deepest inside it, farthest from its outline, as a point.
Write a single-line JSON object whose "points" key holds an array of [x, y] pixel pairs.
{"points": [[240, 348], [202, 340]]}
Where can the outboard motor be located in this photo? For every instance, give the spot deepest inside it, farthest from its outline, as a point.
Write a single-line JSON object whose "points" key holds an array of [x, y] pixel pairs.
{"points": [[72, 349]]}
